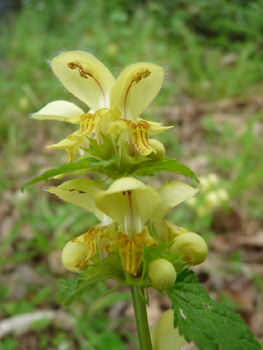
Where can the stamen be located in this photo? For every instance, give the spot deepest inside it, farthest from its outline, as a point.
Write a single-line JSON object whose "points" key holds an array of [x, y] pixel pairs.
{"points": [[85, 72], [74, 65], [142, 73], [129, 226], [132, 217], [132, 222]]}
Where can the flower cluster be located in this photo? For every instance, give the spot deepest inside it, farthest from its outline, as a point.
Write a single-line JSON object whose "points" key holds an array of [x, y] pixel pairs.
{"points": [[131, 214], [133, 243], [115, 105], [129, 203]]}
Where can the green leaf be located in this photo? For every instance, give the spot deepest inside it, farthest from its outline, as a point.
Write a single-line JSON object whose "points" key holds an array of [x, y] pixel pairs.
{"points": [[104, 151], [90, 164], [204, 321], [165, 164], [70, 290], [128, 163], [161, 252], [109, 267], [152, 253]]}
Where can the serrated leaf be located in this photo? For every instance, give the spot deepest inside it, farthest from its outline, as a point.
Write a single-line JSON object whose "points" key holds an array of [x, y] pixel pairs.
{"points": [[70, 290], [87, 163], [93, 162], [165, 164], [204, 321], [109, 267], [161, 252], [104, 151], [128, 163], [152, 253]]}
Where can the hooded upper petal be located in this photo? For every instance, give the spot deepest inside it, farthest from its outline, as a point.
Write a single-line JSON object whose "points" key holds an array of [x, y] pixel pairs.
{"points": [[60, 110], [135, 89], [172, 193], [84, 76], [114, 201]]}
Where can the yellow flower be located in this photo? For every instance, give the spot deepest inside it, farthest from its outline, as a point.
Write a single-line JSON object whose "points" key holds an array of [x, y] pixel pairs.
{"points": [[81, 192], [133, 91], [127, 202], [172, 194], [77, 254], [130, 203], [117, 102], [72, 144], [99, 122]]}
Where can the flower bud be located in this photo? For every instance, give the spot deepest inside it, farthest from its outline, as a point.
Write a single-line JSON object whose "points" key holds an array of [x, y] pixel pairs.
{"points": [[74, 254], [164, 335], [174, 230], [159, 149], [193, 245], [162, 274]]}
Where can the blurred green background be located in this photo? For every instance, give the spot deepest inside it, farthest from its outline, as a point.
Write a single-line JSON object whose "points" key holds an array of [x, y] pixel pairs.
{"points": [[212, 94]]}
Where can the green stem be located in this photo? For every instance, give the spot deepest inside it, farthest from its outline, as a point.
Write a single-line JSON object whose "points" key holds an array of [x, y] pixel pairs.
{"points": [[141, 319]]}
